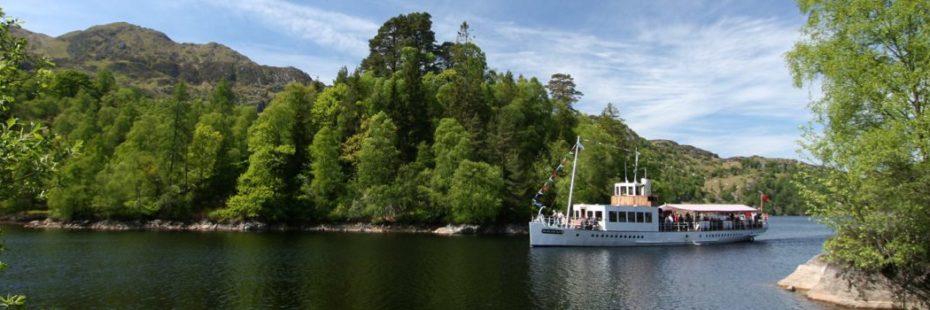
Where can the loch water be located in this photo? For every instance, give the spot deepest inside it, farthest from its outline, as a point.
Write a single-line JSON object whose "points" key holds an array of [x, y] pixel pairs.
{"points": [[231, 270]]}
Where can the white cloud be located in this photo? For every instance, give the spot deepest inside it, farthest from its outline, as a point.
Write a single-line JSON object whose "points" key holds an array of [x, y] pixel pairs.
{"points": [[331, 29], [721, 86], [753, 142]]}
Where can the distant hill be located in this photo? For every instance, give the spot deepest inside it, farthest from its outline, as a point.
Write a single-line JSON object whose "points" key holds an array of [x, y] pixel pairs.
{"points": [[697, 175], [151, 61]]}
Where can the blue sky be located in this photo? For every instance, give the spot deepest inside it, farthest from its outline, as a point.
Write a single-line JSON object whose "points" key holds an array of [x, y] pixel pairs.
{"points": [[706, 73]]}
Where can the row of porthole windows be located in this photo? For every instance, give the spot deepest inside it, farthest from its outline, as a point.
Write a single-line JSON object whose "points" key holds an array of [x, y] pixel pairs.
{"points": [[614, 236], [722, 235]]}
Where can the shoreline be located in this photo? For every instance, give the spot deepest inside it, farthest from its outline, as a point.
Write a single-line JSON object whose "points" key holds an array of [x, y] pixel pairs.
{"points": [[255, 226], [844, 286]]}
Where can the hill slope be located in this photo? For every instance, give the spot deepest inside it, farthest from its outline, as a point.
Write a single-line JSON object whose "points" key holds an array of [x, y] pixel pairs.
{"points": [[692, 174], [150, 60]]}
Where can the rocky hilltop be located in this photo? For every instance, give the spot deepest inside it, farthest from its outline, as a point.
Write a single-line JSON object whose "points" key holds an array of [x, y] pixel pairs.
{"points": [[150, 60]]}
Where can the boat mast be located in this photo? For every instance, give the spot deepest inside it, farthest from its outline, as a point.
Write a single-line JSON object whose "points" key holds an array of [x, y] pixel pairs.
{"points": [[636, 166], [571, 187]]}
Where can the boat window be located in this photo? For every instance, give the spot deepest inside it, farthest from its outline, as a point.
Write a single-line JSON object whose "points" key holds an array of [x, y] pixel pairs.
{"points": [[631, 216], [598, 215], [612, 216], [648, 217], [621, 217], [639, 217], [590, 214]]}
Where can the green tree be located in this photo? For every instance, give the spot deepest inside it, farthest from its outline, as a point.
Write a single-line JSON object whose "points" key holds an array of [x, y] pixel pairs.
{"points": [[465, 96], [231, 122], [871, 58], [562, 88], [24, 152], [378, 156], [326, 186], [452, 146], [101, 125], [413, 202], [377, 167], [104, 83], [68, 83], [135, 179], [223, 97], [409, 109], [25, 158], [521, 131], [596, 170], [476, 193], [326, 109], [175, 144], [405, 30], [271, 180], [202, 155]]}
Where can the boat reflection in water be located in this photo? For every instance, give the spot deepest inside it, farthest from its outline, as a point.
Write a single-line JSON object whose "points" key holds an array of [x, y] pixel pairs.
{"points": [[595, 278], [728, 276]]}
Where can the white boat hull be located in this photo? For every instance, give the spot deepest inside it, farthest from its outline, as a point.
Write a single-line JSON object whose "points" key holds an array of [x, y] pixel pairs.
{"points": [[542, 235]]}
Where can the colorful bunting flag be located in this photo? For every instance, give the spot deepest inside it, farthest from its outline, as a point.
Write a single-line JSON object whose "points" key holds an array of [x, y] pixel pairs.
{"points": [[552, 177]]}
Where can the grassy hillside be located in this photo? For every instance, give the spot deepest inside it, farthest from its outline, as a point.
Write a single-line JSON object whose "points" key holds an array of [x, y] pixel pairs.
{"points": [[150, 60], [691, 174]]}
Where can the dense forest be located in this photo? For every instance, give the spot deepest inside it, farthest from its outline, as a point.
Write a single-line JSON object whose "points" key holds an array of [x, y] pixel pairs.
{"points": [[420, 132]]}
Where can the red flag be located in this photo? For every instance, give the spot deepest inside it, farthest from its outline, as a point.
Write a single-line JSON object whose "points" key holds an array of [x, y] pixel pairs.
{"points": [[764, 198]]}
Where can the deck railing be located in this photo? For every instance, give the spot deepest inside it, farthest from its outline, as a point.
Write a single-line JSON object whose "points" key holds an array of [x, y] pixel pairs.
{"points": [[589, 224], [713, 225]]}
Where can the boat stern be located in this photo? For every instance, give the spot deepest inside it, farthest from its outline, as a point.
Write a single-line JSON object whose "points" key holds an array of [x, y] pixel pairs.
{"points": [[542, 234]]}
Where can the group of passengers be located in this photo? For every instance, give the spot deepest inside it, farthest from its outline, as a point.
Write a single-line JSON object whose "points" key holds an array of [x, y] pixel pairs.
{"points": [[675, 222]]}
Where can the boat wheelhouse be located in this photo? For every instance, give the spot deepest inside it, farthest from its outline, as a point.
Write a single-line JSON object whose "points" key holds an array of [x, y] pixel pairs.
{"points": [[632, 219]]}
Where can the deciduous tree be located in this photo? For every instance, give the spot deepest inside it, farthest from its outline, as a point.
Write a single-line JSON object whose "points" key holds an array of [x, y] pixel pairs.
{"points": [[475, 195], [327, 181], [871, 58]]}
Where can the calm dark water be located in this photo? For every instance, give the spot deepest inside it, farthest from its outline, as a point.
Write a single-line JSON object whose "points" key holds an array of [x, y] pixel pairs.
{"points": [[73, 269]]}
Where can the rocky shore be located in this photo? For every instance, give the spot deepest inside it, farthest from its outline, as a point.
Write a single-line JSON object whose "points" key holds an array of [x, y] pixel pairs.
{"points": [[844, 286], [252, 226]]}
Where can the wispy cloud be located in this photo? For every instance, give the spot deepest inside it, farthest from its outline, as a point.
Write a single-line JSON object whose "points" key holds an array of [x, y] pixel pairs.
{"points": [[720, 84], [671, 80], [326, 28]]}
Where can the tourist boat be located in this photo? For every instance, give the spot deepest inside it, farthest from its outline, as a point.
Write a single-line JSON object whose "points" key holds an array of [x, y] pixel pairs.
{"points": [[632, 219]]}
